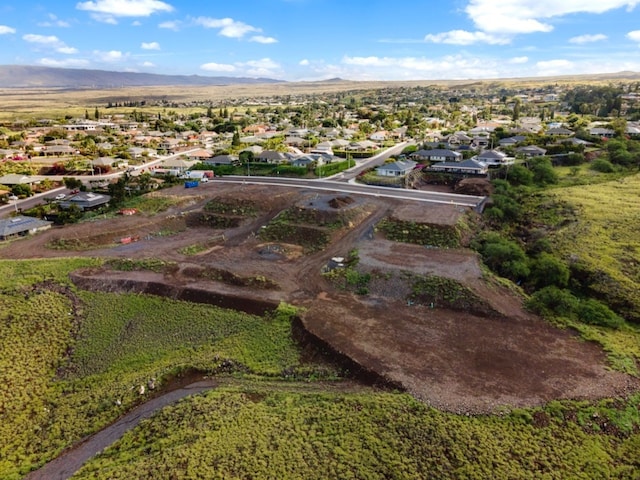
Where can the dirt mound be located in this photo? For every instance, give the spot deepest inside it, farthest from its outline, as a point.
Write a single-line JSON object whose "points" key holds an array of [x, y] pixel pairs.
{"points": [[474, 186], [340, 202]]}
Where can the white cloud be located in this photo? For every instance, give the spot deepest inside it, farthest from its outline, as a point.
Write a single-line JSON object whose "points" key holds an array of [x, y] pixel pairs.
{"points": [[554, 67], [529, 16], [304, 62], [68, 62], [463, 66], [228, 26], [148, 64], [265, 63], [136, 23], [5, 30], [125, 8], [49, 41], [110, 57], [451, 66], [171, 25], [102, 18], [463, 37], [41, 39], [581, 39], [218, 67], [54, 22], [264, 67], [263, 39], [67, 50], [634, 35], [150, 46]]}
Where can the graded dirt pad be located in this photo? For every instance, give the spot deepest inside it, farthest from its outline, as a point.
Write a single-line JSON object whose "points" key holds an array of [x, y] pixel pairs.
{"points": [[461, 362], [455, 360], [434, 214]]}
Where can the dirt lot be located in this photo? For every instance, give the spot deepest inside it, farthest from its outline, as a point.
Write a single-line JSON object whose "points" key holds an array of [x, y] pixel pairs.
{"points": [[457, 360]]}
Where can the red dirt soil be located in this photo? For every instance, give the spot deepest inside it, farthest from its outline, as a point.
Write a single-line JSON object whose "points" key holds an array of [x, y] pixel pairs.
{"points": [[454, 360]]}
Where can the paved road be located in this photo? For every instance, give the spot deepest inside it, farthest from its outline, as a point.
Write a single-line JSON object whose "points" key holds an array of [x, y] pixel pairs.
{"points": [[337, 186], [27, 203], [371, 162], [342, 182], [65, 465]]}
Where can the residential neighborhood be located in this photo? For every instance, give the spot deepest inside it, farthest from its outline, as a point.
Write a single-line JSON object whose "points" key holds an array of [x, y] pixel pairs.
{"points": [[460, 132]]}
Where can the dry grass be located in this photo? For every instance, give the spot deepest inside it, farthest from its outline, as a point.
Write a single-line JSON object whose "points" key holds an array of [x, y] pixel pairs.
{"points": [[51, 102]]}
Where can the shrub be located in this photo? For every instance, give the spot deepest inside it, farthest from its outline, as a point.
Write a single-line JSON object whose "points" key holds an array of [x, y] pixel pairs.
{"points": [[553, 301], [520, 175], [510, 208], [593, 312], [575, 159], [505, 257], [548, 270], [601, 165]]}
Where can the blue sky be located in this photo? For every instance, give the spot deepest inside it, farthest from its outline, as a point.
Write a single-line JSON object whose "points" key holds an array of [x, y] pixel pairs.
{"points": [[319, 39]]}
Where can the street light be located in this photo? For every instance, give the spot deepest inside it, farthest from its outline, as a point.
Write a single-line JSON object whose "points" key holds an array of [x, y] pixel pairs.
{"points": [[15, 201]]}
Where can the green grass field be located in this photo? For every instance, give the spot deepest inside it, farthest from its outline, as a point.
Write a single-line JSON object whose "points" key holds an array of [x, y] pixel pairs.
{"points": [[253, 432], [72, 361], [604, 238]]}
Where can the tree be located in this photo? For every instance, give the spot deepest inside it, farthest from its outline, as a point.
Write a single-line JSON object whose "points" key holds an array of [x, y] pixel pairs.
{"points": [[505, 257], [96, 114], [516, 110], [511, 210], [235, 141], [519, 175], [543, 172], [72, 183], [548, 270], [246, 156], [21, 190], [71, 214]]}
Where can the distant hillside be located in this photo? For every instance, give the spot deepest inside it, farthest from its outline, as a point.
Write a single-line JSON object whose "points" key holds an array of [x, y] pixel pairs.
{"points": [[22, 76]]}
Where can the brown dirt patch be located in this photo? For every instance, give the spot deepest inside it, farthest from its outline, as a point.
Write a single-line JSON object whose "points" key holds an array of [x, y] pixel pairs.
{"points": [[434, 214]]}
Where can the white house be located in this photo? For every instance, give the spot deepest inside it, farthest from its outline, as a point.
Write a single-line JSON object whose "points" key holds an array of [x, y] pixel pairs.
{"points": [[396, 169]]}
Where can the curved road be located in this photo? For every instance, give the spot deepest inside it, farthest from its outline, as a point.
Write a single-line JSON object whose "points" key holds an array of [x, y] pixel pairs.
{"points": [[69, 462]]}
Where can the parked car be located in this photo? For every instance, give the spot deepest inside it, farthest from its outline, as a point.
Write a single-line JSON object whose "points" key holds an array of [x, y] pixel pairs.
{"points": [[60, 196]]}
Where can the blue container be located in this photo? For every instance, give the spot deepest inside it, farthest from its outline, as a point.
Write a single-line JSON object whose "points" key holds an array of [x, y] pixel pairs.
{"points": [[191, 184]]}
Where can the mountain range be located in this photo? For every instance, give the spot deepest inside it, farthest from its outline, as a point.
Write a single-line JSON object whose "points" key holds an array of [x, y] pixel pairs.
{"points": [[24, 76]]}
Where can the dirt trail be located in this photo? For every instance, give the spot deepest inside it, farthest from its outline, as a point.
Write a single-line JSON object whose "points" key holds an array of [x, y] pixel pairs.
{"points": [[71, 460]]}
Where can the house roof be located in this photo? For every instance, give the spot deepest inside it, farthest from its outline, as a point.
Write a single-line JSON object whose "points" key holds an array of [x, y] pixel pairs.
{"points": [[491, 155], [437, 152], [271, 155], [222, 160], [398, 166], [86, 200], [512, 140], [464, 165], [103, 161], [531, 148], [16, 179], [559, 131], [178, 163], [20, 224]]}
